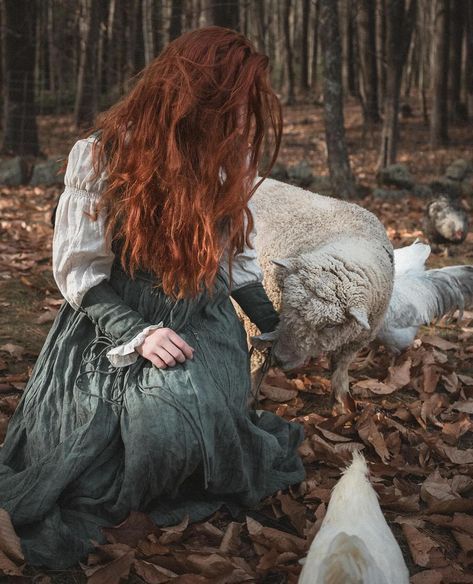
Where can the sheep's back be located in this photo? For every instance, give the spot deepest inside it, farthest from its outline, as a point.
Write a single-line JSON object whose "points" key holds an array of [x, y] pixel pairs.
{"points": [[291, 220]]}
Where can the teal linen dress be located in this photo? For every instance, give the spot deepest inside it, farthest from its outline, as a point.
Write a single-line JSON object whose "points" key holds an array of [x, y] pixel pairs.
{"points": [[90, 442]]}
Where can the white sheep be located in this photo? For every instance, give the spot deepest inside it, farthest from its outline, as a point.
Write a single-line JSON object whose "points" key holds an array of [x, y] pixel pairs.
{"points": [[328, 269]]}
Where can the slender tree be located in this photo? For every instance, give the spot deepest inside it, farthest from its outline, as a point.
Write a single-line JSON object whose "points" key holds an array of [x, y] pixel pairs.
{"points": [[175, 26], [226, 13], [381, 34], [366, 20], [399, 24], [469, 59], [349, 46], [86, 105], [439, 72], [20, 135], [457, 23], [291, 98], [315, 47], [339, 164], [305, 45], [148, 36]]}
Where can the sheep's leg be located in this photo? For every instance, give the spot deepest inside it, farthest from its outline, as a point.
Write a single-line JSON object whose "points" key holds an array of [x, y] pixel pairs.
{"points": [[340, 363]]}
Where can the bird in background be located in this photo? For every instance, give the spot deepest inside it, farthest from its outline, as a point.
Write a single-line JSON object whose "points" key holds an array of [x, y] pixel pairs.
{"points": [[354, 544], [421, 296], [445, 221]]}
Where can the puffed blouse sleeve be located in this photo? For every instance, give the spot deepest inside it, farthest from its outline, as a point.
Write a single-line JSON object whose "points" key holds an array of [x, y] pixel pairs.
{"points": [[83, 258]]}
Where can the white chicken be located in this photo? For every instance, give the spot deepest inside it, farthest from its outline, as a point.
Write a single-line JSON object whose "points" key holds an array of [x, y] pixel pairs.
{"points": [[421, 296], [354, 544]]}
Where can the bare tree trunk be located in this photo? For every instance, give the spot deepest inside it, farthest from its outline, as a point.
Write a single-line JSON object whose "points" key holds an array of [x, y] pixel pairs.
{"points": [[20, 135], [175, 26], [399, 23], [158, 28], [368, 65], [258, 15], [381, 46], [289, 55], [350, 51], [52, 51], [425, 16], [412, 64], [439, 73], [130, 33], [226, 13], [111, 57], [339, 164], [305, 45], [315, 49], [469, 59], [457, 20], [148, 36], [87, 90]]}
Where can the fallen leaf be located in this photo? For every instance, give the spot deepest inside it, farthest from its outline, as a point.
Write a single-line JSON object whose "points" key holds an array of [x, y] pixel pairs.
{"points": [[439, 343], [151, 573], [451, 431], [114, 564], [294, 510], [14, 350], [463, 406], [273, 538], [425, 552], [399, 375], [47, 316], [440, 497], [375, 386], [133, 529], [231, 539], [10, 543], [370, 434], [174, 533], [278, 394]]}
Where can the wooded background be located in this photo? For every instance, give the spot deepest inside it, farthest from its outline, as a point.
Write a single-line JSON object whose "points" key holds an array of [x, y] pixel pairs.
{"points": [[80, 56]]}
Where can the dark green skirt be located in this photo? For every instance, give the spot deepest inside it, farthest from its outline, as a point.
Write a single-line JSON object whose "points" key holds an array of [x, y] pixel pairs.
{"points": [[89, 443]]}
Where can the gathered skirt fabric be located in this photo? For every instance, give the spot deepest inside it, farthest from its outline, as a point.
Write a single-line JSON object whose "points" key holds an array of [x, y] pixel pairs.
{"points": [[89, 443]]}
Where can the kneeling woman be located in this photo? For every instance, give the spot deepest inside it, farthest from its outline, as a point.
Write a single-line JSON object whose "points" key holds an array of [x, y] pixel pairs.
{"points": [[138, 400]]}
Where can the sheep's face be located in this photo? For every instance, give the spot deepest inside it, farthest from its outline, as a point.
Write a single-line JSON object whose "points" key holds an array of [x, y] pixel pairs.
{"points": [[320, 311]]}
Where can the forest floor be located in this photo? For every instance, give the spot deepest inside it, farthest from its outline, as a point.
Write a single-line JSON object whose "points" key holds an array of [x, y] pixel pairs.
{"points": [[413, 418]]}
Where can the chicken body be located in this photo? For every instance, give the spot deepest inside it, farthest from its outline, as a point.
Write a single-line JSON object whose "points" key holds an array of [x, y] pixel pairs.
{"points": [[445, 221], [421, 296], [355, 544]]}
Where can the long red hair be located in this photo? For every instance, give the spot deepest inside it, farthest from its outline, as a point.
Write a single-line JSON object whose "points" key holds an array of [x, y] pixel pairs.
{"points": [[181, 153]]}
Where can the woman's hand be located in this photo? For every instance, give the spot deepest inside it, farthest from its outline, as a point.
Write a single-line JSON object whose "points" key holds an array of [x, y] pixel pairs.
{"points": [[164, 348]]}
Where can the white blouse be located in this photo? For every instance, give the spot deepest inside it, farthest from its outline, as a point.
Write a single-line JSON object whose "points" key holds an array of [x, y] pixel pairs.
{"points": [[82, 257]]}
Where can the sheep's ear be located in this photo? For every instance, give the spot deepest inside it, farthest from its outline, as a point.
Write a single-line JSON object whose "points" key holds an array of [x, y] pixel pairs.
{"points": [[361, 317], [264, 340], [286, 263]]}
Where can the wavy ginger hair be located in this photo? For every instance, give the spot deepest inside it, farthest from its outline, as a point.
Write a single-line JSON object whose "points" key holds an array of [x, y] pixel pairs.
{"points": [[203, 106]]}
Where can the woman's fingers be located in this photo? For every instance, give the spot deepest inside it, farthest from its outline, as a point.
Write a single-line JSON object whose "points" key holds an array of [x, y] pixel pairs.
{"points": [[174, 351], [163, 354], [157, 361], [181, 344], [165, 348]]}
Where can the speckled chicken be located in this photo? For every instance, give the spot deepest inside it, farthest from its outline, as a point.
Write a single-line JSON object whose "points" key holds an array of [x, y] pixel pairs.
{"points": [[354, 544], [445, 221], [421, 296]]}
